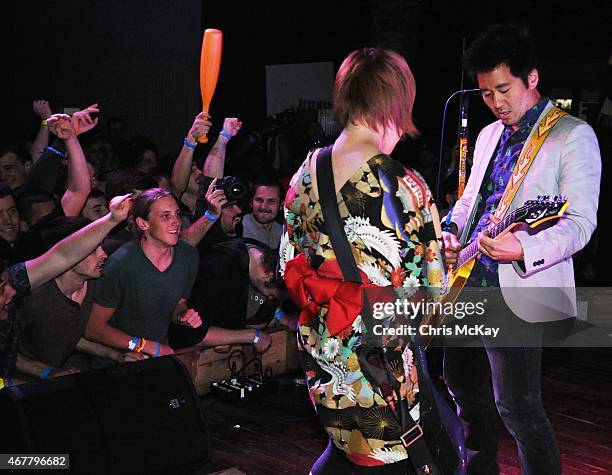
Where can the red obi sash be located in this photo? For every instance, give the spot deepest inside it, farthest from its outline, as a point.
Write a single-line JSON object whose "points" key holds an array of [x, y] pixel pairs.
{"points": [[312, 289]]}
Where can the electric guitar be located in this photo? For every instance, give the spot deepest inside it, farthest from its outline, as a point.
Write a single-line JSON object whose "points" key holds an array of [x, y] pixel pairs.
{"points": [[533, 213]]}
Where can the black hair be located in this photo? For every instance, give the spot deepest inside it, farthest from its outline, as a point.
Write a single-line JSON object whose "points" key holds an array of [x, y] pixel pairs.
{"points": [[22, 154], [6, 190], [30, 197], [511, 44], [267, 181], [95, 193]]}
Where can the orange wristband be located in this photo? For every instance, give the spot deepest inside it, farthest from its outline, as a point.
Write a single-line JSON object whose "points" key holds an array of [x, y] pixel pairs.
{"points": [[141, 346]]}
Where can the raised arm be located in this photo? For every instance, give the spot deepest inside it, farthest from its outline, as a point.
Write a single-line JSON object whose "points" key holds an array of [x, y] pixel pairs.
{"points": [[79, 183], [42, 109], [66, 253], [182, 167], [196, 232], [214, 165]]}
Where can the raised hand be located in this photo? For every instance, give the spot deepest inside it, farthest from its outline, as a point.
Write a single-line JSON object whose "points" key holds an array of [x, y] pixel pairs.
{"points": [[42, 109], [120, 207], [232, 125], [216, 199], [201, 126], [60, 125], [82, 121]]}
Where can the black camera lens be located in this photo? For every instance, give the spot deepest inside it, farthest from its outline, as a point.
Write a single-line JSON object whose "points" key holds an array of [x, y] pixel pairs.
{"points": [[237, 191], [233, 187]]}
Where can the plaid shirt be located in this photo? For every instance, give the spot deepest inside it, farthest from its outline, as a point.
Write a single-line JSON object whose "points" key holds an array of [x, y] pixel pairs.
{"points": [[499, 172], [9, 328]]}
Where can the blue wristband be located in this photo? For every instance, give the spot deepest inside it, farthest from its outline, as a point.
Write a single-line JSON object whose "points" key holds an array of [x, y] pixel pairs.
{"points": [[210, 217], [192, 146], [256, 339], [44, 374], [55, 151], [279, 313], [225, 134], [158, 350]]}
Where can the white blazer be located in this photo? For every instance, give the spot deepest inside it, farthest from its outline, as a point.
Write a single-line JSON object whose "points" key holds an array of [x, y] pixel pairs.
{"points": [[541, 287]]}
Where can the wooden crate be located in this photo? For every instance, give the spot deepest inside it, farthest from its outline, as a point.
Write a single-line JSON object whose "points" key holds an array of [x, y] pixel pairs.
{"points": [[208, 365]]}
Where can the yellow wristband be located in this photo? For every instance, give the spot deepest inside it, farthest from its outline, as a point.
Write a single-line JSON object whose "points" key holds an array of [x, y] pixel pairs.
{"points": [[44, 123]]}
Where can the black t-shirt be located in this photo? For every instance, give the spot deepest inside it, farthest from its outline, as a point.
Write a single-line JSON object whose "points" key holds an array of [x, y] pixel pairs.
{"points": [[52, 324], [143, 297]]}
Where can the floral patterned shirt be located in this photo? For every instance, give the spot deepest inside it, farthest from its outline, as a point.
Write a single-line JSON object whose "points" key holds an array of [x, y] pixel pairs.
{"points": [[386, 213]]}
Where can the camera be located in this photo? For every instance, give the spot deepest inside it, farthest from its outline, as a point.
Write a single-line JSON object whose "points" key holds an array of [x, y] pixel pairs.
{"points": [[232, 186]]}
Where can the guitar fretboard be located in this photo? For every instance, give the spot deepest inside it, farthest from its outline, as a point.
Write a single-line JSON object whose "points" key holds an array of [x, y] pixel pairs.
{"points": [[470, 251]]}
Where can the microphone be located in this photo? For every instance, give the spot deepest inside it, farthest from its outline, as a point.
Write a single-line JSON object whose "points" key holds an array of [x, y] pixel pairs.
{"points": [[465, 91]]}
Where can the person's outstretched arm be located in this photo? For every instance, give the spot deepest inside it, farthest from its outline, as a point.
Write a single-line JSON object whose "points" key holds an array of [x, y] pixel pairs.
{"points": [[66, 253]]}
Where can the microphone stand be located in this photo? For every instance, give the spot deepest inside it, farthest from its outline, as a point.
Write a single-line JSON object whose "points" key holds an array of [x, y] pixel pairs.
{"points": [[464, 93], [463, 143]]}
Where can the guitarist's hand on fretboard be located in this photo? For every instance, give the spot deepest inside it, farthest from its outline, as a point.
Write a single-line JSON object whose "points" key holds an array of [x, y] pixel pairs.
{"points": [[452, 246], [505, 248]]}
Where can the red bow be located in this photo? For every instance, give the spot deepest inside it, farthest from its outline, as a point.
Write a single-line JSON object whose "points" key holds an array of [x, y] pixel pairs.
{"points": [[311, 290]]}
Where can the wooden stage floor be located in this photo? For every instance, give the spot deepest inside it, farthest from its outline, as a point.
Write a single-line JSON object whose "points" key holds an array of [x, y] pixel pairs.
{"points": [[281, 434]]}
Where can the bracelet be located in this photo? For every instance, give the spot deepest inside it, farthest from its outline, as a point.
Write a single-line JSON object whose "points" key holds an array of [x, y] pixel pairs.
{"points": [[210, 217], [192, 146], [44, 123], [279, 313], [55, 151], [158, 350], [44, 374], [140, 347], [133, 343], [225, 134], [256, 339]]}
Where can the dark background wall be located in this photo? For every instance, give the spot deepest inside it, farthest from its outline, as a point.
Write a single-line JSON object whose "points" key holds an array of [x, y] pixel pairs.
{"points": [[139, 59]]}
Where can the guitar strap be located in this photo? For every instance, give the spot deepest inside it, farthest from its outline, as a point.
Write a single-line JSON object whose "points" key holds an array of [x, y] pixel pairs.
{"points": [[525, 160], [418, 452]]}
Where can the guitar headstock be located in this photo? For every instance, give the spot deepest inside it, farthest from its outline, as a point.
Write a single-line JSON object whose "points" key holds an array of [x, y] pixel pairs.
{"points": [[543, 208]]}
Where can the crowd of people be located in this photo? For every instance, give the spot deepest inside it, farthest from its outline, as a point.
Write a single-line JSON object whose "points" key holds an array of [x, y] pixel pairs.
{"points": [[108, 259], [71, 304]]}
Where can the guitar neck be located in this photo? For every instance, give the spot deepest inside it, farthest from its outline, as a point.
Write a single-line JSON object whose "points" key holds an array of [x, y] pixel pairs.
{"points": [[470, 251]]}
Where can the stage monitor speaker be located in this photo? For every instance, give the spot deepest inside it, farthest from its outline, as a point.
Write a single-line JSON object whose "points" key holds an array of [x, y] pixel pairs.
{"points": [[141, 417]]}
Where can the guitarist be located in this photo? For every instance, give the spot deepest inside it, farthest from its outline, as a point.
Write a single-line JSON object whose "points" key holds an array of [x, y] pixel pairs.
{"points": [[533, 269]]}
